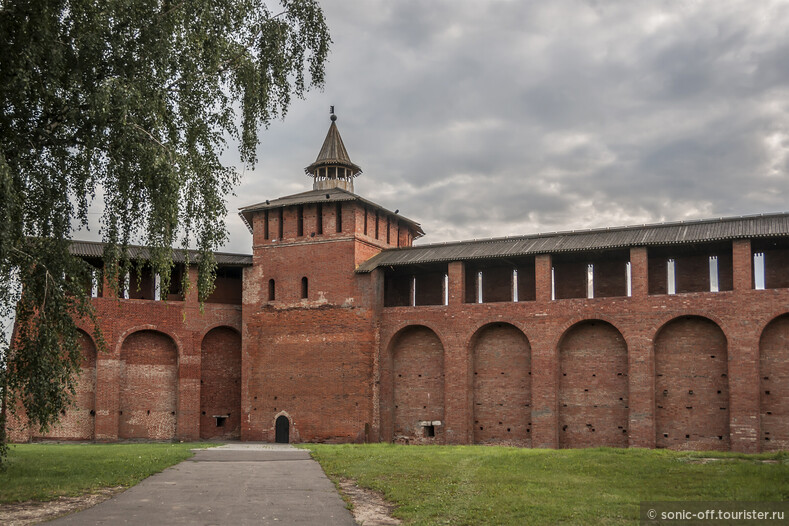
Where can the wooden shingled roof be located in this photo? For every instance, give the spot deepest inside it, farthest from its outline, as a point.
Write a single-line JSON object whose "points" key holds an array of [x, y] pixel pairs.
{"points": [[684, 232], [333, 153]]}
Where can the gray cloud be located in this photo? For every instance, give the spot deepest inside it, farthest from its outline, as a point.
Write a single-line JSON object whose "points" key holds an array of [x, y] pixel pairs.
{"points": [[497, 118]]}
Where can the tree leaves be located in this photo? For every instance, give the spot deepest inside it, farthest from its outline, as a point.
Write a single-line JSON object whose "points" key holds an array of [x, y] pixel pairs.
{"points": [[133, 100]]}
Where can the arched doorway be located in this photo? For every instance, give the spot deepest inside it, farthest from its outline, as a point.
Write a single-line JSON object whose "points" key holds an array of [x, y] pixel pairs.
{"points": [[282, 430]]}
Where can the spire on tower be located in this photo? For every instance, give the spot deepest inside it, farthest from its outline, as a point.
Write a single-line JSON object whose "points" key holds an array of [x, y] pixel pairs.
{"points": [[333, 167]]}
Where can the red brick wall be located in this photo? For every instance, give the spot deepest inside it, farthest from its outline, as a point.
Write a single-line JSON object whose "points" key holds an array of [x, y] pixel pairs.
{"points": [[692, 273], [220, 383], [570, 279], [593, 387], [691, 386], [776, 263], [314, 363], [77, 421], [502, 386], [610, 278], [148, 386], [774, 385], [417, 376]]}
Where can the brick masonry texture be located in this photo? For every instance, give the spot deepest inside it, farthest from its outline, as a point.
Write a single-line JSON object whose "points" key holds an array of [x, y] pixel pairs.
{"points": [[352, 361]]}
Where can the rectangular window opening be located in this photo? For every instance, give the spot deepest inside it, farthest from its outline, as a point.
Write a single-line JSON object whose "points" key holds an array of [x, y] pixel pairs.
{"points": [[300, 221], [281, 223], [388, 231], [265, 225], [94, 283], [758, 271], [376, 224], [220, 421], [319, 219], [413, 291], [430, 431], [590, 280], [714, 286], [338, 217], [629, 279], [553, 283], [157, 287], [515, 285], [365, 220], [479, 287], [671, 277], [446, 289]]}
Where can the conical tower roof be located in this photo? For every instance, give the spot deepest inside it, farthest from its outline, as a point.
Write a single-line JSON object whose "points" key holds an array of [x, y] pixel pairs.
{"points": [[333, 153]]}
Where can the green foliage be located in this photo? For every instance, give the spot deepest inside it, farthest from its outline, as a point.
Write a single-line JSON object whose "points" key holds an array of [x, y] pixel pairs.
{"points": [[499, 485], [47, 471], [129, 101]]}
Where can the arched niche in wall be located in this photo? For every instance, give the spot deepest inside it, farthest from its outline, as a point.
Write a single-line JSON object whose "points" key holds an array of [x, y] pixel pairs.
{"points": [[593, 386], [501, 361], [148, 386], [691, 385]]}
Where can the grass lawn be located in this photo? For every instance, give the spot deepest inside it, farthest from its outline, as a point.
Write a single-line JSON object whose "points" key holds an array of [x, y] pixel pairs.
{"points": [[46, 471], [498, 485]]}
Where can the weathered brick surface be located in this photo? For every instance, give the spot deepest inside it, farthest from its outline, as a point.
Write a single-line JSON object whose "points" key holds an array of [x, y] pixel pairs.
{"points": [[593, 395], [501, 386], [774, 385], [220, 384], [76, 423], [696, 369], [417, 376], [148, 386]]}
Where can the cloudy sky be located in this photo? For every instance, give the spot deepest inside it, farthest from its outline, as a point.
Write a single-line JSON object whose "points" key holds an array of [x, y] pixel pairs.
{"points": [[494, 118]]}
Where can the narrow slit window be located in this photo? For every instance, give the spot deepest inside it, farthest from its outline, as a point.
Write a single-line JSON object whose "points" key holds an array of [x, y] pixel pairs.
{"points": [[397, 233], [304, 288], [271, 290], [300, 221], [515, 285], [446, 289], [758, 271], [319, 219], [376, 224], [479, 287], [629, 279], [94, 283], [126, 284], [553, 283], [714, 286], [338, 217], [365, 221], [413, 291], [590, 280], [281, 223], [671, 277], [157, 287], [265, 225], [388, 231]]}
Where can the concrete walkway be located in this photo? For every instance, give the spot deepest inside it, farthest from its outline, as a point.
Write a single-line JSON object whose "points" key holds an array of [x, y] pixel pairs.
{"points": [[231, 484]]}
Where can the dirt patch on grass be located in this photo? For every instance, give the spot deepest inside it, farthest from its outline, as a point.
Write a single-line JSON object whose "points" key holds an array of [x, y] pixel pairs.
{"points": [[34, 512], [369, 507]]}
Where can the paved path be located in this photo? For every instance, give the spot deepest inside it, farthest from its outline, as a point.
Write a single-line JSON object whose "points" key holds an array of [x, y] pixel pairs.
{"points": [[231, 484]]}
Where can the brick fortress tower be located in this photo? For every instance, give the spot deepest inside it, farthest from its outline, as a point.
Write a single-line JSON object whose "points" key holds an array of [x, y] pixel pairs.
{"points": [[309, 334]]}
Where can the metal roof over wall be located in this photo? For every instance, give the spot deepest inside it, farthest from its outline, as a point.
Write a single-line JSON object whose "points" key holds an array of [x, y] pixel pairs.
{"points": [[685, 232], [93, 249]]}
